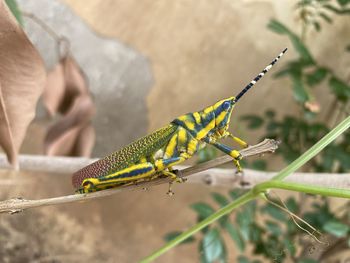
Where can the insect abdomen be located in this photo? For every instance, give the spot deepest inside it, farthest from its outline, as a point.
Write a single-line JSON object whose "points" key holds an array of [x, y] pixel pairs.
{"points": [[126, 156]]}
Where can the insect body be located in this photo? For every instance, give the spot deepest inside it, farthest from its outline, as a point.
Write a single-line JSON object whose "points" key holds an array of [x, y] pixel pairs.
{"points": [[155, 154]]}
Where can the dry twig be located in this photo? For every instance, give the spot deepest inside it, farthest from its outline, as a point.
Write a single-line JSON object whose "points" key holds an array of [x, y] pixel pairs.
{"points": [[16, 205]]}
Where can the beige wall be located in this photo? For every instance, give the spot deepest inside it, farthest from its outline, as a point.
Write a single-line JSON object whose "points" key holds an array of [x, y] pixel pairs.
{"points": [[202, 51]]}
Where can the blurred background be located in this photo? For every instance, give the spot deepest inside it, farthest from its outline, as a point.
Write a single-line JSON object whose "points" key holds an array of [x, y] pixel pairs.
{"points": [[147, 62]]}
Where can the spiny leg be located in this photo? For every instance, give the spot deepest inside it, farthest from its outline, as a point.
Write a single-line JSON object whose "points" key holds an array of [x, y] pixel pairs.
{"points": [[129, 175], [163, 164], [236, 155]]}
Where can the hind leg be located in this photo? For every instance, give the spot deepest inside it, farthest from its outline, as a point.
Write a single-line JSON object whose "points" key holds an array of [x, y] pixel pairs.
{"points": [[131, 175]]}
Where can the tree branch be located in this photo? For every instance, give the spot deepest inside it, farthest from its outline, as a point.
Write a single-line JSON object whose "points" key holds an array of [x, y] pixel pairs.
{"points": [[61, 164], [201, 173]]}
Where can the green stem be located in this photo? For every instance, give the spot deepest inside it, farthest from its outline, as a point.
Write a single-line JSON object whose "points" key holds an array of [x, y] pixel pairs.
{"points": [[315, 149], [260, 188], [309, 189], [223, 211]]}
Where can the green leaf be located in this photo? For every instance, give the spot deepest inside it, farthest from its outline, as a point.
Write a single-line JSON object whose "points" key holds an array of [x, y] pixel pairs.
{"points": [[279, 28], [245, 218], [326, 17], [12, 4], [292, 205], [347, 48], [220, 199], [273, 227], [316, 76], [336, 228], [256, 233], [270, 114], [317, 26], [259, 165], [170, 236], [206, 154], [340, 89], [254, 121], [203, 210], [236, 237], [299, 91], [307, 260], [213, 246], [343, 2], [242, 259], [234, 194], [289, 246], [274, 212], [342, 11]]}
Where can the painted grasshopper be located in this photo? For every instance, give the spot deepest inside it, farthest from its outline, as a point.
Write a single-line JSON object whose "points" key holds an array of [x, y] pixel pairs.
{"points": [[154, 155]]}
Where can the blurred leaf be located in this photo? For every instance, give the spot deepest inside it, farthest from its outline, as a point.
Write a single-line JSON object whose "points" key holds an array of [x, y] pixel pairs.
{"points": [[279, 28], [22, 78], [12, 4], [259, 165], [336, 228], [274, 212], [244, 219], [235, 236], [317, 26], [316, 76], [340, 89], [170, 236], [299, 91], [254, 121], [270, 114], [73, 134], [206, 154], [342, 11], [343, 2], [220, 199], [292, 205], [289, 246], [242, 259], [243, 223], [234, 194], [202, 209], [273, 227], [307, 260], [319, 216], [256, 233], [347, 48], [213, 246], [325, 17]]}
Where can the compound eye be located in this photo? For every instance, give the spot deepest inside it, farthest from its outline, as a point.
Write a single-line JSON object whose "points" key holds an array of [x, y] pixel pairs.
{"points": [[226, 105]]}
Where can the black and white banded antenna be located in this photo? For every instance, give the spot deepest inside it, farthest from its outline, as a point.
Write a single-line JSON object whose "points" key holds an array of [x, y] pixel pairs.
{"points": [[258, 77]]}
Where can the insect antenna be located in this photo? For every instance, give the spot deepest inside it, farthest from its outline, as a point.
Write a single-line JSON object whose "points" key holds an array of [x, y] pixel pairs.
{"points": [[258, 77]]}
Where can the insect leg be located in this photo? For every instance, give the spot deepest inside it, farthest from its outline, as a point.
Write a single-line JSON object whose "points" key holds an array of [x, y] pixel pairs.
{"points": [[238, 140], [128, 175], [236, 155]]}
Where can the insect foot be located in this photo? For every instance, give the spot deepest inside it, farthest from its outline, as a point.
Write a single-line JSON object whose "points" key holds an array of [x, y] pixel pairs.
{"points": [[170, 192]]}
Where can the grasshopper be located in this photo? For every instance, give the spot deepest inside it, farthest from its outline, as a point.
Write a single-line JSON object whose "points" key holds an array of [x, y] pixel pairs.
{"points": [[154, 155]]}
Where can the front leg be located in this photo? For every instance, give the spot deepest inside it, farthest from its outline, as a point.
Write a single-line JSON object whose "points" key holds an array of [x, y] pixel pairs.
{"points": [[236, 155], [242, 143]]}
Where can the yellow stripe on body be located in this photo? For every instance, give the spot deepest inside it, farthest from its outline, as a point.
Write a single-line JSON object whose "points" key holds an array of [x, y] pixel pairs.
{"points": [[170, 148], [221, 117], [130, 169], [189, 124], [197, 117], [203, 132], [192, 146]]}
